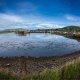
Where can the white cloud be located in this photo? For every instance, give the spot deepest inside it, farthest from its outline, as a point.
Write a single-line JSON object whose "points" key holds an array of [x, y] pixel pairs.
{"points": [[71, 18], [10, 21], [10, 18], [49, 25], [30, 21]]}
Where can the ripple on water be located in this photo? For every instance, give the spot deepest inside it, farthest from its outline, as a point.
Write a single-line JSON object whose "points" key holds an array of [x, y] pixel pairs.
{"points": [[37, 44]]}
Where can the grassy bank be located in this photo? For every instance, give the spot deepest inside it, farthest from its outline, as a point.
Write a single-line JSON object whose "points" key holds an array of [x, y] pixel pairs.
{"points": [[69, 71]]}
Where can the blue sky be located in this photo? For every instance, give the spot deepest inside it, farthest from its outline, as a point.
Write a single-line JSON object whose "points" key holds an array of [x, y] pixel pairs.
{"points": [[34, 14]]}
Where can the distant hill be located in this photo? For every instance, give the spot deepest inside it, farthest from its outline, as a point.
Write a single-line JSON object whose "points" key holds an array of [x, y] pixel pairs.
{"points": [[70, 28], [65, 29], [13, 30]]}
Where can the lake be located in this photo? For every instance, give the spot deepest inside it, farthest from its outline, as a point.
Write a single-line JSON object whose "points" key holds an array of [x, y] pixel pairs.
{"points": [[36, 44]]}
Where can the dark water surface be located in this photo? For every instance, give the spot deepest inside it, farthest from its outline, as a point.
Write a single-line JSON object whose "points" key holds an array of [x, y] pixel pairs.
{"points": [[36, 44]]}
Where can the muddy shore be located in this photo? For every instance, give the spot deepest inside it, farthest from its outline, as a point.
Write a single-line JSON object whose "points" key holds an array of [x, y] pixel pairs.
{"points": [[29, 65]]}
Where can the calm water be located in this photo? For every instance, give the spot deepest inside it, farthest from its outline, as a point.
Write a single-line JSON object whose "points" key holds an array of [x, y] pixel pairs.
{"points": [[36, 44]]}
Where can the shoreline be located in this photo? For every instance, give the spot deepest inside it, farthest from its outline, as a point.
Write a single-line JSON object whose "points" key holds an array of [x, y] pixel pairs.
{"points": [[29, 65]]}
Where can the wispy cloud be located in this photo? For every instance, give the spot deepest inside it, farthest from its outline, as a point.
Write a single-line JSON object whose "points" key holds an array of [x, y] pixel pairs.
{"points": [[10, 18], [72, 18], [48, 25]]}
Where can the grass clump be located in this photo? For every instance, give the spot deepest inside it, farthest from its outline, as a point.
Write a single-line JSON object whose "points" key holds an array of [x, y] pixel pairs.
{"points": [[4, 76], [71, 71]]}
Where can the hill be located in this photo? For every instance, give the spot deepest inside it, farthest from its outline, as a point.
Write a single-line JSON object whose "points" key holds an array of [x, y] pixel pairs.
{"points": [[65, 29], [70, 28]]}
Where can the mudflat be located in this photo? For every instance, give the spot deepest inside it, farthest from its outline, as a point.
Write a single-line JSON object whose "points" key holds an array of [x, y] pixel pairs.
{"points": [[29, 65]]}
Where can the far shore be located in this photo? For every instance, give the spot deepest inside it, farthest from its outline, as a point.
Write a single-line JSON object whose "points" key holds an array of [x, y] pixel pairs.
{"points": [[24, 32]]}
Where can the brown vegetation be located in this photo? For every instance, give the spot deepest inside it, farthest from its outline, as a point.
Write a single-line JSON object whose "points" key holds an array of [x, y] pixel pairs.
{"points": [[29, 65]]}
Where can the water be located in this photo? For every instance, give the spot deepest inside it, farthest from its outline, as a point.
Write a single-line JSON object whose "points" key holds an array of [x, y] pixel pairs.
{"points": [[36, 44]]}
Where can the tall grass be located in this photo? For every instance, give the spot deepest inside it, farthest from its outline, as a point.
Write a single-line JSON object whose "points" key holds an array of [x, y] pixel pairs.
{"points": [[70, 71], [4, 76]]}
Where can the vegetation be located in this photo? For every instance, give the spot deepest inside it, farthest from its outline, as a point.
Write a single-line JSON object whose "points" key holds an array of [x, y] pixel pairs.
{"points": [[65, 29], [5, 76], [13, 30], [70, 71], [68, 29]]}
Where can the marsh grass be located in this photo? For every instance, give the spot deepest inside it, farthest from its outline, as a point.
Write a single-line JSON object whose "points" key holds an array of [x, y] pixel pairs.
{"points": [[69, 71], [4, 76]]}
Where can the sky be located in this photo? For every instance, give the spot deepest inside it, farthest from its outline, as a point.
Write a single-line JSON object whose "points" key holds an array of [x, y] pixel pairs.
{"points": [[34, 14]]}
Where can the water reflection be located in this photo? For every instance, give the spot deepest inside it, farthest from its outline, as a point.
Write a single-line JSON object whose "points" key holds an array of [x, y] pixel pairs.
{"points": [[36, 44]]}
